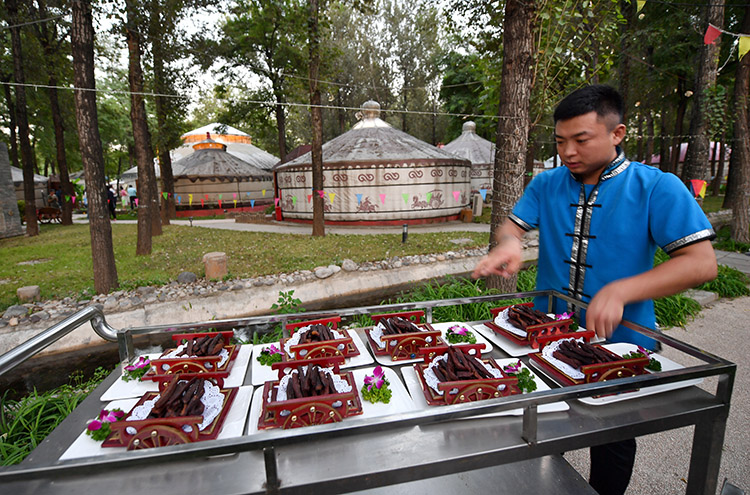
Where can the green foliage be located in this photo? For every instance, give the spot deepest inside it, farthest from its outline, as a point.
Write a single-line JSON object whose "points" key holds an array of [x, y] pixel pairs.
{"points": [[729, 283], [675, 310], [287, 303], [725, 242], [25, 423], [21, 209]]}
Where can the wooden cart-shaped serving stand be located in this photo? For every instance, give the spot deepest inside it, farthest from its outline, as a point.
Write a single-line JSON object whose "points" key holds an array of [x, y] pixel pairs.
{"points": [[456, 392], [599, 372], [405, 345], [321, 349], [533, 332], [306, 411]]}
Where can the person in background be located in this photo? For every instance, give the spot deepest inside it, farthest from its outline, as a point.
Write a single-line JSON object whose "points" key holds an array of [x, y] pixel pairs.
{"points": [[111, 202], [600, 220], [124, 197], [52, 201], [132, 194]]}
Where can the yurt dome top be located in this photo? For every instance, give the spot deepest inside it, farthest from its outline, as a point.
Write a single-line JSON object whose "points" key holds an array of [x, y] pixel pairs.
{"points": [[211, 161], [370, 141], [238, 144], [472, 146], [17, 176]]}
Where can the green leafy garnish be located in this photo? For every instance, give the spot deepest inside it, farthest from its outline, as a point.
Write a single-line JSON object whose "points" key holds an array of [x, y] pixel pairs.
{"points": [[525, 379], [653, 363], [374, 394], [458, 334], [269, 356]]}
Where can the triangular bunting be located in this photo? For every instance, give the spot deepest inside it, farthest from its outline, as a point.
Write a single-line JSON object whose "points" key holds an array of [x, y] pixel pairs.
{"points": [[294, 200], [235, 203], [264, 193], [359, 199], [456, 195], [483, 192], [276, 201], [219, 202], [640, 4], [331, 196], [744, 46], [190, 199], [322, 194], [179, 199], [429, 196], [309, 198], [698, 187], [164, 195], [234, 195], [252, 203], [382, 198], [406, 198], [711, 34]]}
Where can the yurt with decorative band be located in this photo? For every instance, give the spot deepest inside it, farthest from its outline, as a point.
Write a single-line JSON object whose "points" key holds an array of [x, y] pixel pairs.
{"points": [[210, 178], [375, 174], [479, 151]]}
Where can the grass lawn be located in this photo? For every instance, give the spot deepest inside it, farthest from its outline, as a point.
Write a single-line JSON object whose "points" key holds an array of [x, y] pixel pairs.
{"points": [[62, 255]]}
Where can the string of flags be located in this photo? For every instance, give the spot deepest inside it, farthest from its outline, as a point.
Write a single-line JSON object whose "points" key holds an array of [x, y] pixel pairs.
{"points": [[712, 34]]}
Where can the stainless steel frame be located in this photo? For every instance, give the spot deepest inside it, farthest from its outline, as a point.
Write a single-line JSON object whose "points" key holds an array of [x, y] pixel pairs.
{"points": [[370, 453]]}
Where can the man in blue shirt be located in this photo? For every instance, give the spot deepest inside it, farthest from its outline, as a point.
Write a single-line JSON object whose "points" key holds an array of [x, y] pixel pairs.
{"points": [[600, 220]]}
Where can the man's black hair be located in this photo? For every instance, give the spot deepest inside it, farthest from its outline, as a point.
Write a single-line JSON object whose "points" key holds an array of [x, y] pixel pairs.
{"points": [[599, 98]]}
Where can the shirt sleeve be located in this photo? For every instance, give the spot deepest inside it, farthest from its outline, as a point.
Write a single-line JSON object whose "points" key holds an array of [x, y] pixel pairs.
{"points": [[526, 212], [676, 220]]}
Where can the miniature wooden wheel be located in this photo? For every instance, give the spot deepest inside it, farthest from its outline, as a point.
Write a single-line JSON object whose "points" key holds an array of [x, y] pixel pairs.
{"points": [[409, 348], [157, 436], [318, 413], [323, 351], [611, 374]]}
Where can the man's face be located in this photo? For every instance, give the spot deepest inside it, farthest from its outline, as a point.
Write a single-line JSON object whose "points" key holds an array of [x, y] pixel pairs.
{"points": [[586, 144]]}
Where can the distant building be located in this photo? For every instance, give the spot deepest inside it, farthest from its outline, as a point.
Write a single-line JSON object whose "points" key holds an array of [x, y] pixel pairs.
{"points": [[479, 151]]}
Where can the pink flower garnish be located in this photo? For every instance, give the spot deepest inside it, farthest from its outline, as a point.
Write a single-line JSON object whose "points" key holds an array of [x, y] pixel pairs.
{"points": [[513, 368], [141, 363], [272, 349], [94, 425], [458, 330], [644, 351], [565, 316], [377, 378]]}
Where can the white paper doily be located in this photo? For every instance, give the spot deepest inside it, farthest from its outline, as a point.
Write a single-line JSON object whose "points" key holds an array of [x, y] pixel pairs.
{"points": [[212, 400], [294, 339], [550, 348], [377, 335], [341, 385], [501, 320], [432, 380], [224, 355]]}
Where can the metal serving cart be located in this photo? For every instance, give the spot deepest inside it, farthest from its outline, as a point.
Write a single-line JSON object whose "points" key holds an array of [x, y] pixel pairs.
{"points": [[427, 449]]}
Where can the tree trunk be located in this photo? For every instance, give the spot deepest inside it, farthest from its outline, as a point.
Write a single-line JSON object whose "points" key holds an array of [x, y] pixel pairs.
{"points": [[13, 149], [32, 227], [626, 43], [62, 161], [82, 44], [696, 158], [678, 126], [168, 207], [741, 151], [513, 124], [639, 147], [147, 199], [530, 154], [280, 118], [664, 156], [316, 116]]}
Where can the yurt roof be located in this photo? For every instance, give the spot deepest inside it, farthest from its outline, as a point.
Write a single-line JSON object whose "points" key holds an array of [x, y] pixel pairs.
{"points": [[217, 163], [216, 129], [243, 150], [17, 175], [471, 146], [131, 174], [372, 140]]}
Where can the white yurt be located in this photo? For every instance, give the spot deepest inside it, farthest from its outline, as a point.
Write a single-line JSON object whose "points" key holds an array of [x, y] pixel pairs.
{"points": [[376, 174], [212, 177], [479, 151]]}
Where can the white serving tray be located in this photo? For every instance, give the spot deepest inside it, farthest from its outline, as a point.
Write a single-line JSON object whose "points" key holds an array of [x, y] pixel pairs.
{"points": [[261, 374], [443, 327], [85, 446], [621, 348], [415, 389], [400, 402], [121, 389]]}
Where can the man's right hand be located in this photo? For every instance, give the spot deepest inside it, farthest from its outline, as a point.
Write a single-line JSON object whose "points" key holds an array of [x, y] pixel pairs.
{"points": [[503, 260]]}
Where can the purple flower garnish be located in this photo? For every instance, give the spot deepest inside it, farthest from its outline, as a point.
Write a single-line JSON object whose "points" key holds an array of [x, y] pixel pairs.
{"points": [[141, 363], [272, 349], [565, 316], [458, 330], [94, 425], [513, 368], [377, 378], [644, 351]]}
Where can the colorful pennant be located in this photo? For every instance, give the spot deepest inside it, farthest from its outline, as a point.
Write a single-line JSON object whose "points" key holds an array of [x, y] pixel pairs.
{"points": [[276, 201], [456, 195], [483, 192], [359, 199], [252, 203], [429, 196], [382, 198], [331, 196], [711, 34], [190, 199]]}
